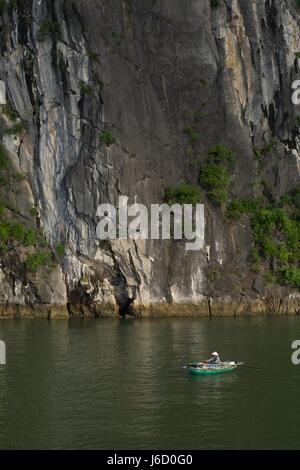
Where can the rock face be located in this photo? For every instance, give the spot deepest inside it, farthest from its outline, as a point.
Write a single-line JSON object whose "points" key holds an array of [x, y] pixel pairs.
{"points": [[143, 71]]}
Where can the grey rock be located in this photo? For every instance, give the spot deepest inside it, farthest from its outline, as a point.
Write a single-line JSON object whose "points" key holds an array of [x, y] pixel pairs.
{"points": [[150, 68]]}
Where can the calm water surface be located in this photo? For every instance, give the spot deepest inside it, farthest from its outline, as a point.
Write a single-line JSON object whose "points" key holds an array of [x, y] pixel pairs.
{"points": [[119, 384]]}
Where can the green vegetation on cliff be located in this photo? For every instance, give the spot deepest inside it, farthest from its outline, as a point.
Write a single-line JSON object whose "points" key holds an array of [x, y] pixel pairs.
{"points": [[3, 157], [86, 89], [49, 29], [183, 194], [276, 231], [107, 138], [16, 233], [191, 133], [40, 259], [215, 174], [215, 3]]}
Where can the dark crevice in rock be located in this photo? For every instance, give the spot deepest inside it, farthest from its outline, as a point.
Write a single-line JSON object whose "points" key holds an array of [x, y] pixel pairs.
{"points": [[209, 307], [126, 308]]}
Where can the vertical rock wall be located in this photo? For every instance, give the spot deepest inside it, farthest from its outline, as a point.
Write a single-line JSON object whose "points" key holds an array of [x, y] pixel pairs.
{"points": [[143, 71]]}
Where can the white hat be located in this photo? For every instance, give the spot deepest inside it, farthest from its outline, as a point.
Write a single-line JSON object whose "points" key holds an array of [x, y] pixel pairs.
{"points": [[214, 353]]}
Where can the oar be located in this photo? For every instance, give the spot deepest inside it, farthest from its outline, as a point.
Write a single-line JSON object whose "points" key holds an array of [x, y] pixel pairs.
{"points": [[241, 364], [250, 367]]}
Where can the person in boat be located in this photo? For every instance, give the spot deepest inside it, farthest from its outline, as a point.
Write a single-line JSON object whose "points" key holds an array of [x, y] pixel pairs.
{"points": [[215, 358]]}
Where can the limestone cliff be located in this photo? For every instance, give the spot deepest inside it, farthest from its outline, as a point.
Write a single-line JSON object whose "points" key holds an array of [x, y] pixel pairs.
{"points": [[164, 81]]}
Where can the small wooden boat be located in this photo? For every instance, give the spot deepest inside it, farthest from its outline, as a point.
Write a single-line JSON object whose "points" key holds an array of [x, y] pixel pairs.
{"points": [[202, 368]]}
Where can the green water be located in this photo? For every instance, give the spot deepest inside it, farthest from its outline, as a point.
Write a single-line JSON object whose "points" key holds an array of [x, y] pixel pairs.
{"points": [[119, 384]]}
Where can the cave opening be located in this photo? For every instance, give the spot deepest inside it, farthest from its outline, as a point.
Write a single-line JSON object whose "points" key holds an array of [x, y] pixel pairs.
{"points": [[126, 308]]}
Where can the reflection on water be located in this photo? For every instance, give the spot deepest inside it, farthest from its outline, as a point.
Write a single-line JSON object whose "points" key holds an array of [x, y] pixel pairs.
{"points": [[111, 384]]}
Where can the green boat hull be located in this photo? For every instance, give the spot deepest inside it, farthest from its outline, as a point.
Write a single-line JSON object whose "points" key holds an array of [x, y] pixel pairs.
{"points": [[194, 371]]}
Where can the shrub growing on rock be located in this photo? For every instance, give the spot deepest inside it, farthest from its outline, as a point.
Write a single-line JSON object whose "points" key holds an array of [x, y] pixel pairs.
{"points": [[38, 260], [107, 138], [215, 174], [183, 194], [49, 28]]}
